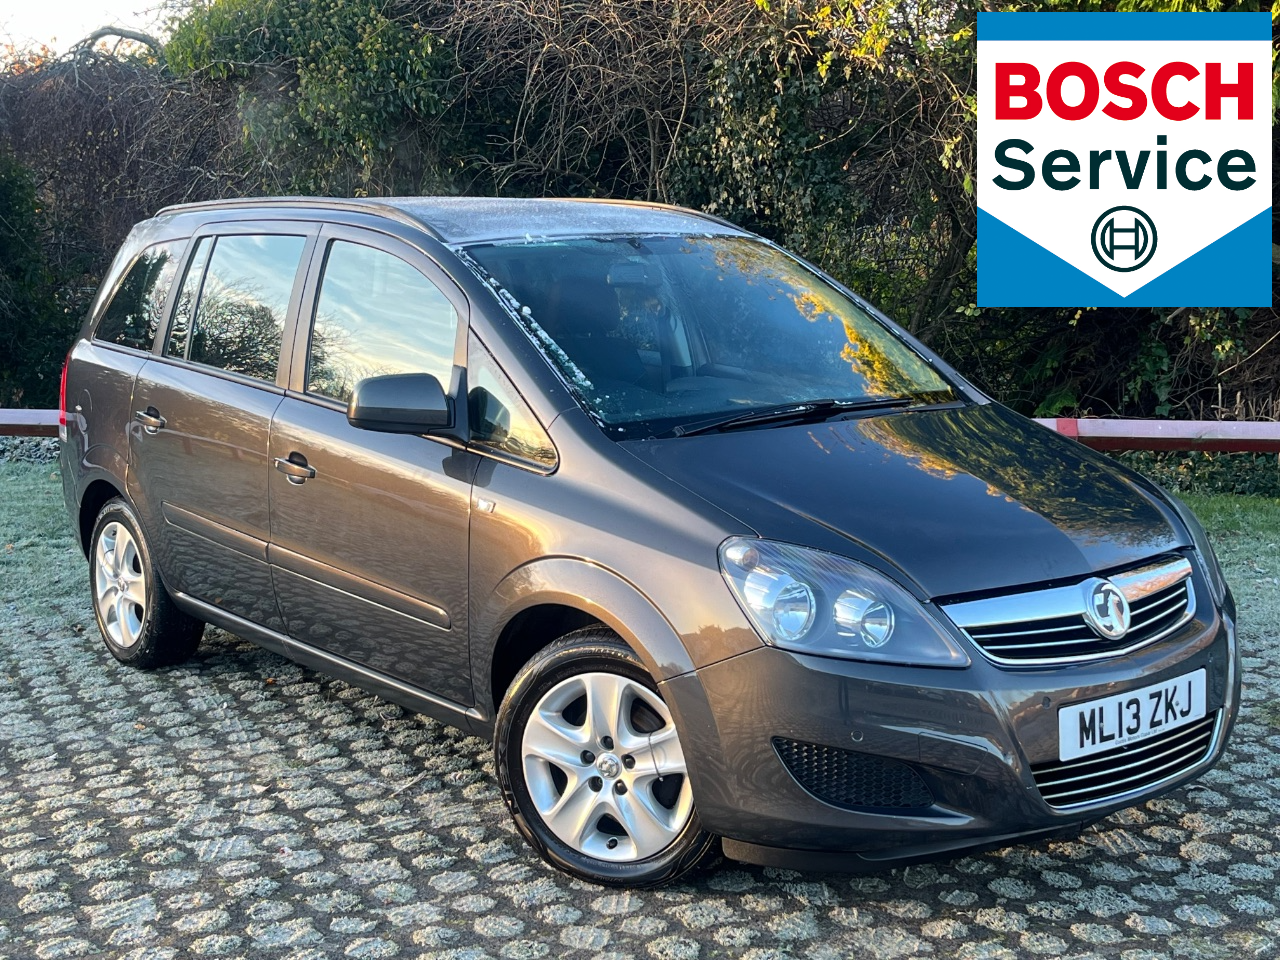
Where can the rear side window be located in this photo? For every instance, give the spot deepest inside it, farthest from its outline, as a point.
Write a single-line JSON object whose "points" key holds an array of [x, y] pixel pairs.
{"points": [[377, 315], [240, 308], [188, 296], [137, 306]]}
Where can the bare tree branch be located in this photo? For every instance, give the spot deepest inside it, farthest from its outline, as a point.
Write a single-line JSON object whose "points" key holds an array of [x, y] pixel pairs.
{"points": [[84, 46]]}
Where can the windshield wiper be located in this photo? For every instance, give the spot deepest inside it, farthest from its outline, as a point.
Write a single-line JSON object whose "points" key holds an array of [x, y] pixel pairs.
{"points": [[805, 410]]}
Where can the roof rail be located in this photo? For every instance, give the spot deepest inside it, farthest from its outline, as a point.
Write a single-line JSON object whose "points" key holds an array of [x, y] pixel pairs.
{"points": [[373, 205], [353, 205]]}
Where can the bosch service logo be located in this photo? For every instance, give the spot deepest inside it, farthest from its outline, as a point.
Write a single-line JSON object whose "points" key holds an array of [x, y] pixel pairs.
{"points": [[1124, 248], [1124, 159]]}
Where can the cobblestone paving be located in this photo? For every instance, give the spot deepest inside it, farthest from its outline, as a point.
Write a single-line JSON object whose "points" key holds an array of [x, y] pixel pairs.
{"points": [[241, 806]]}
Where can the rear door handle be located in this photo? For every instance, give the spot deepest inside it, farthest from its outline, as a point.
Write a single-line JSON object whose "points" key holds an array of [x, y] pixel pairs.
{"points": [[150, 419], [295, 468]]}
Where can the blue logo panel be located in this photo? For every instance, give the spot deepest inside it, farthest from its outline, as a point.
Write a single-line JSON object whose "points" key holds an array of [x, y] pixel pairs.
{"points": [[1044, 280]]}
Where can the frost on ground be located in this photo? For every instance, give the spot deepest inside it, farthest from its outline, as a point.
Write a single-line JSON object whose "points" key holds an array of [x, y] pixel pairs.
{"points": [[242, 806], [28, 450]]}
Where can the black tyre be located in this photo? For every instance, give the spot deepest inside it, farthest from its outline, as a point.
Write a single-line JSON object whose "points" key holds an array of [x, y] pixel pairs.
{"points": [[591, 767], [136, 617]]}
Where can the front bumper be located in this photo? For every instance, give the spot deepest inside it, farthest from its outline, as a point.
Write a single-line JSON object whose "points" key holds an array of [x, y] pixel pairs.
{"points": [[970, 736]]}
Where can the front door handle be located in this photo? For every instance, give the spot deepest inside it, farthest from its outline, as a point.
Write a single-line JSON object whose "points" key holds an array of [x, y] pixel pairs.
{"points": [[295, 468], [150, 419]]}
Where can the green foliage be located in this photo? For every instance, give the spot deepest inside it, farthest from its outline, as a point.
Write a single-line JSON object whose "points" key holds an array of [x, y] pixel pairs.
{"points": [[754, 158], [844, 129], [335, 91], [34, 332], [1199, 472], [845, 132]]}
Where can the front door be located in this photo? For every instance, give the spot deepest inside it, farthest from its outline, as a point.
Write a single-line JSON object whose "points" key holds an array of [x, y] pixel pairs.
{"points": [[369, 530]]}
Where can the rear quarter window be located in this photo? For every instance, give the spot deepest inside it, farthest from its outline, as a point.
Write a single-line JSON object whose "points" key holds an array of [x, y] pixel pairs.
{"points": [[136, 308]]}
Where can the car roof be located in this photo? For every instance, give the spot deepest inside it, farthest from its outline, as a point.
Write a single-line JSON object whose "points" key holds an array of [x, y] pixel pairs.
{"points": [[469, 220]]}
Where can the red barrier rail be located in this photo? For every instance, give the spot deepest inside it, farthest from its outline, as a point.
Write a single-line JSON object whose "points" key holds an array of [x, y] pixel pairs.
{"points": [[1225, 436], [28, 423]]}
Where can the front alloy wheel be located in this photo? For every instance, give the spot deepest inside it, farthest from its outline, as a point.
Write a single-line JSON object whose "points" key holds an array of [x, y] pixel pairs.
{"points": [[591, 765], [604, 767]]}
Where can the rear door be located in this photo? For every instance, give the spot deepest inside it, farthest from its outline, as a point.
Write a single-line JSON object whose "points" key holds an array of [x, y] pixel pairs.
{"points": [[369, 530], [202, 414]]}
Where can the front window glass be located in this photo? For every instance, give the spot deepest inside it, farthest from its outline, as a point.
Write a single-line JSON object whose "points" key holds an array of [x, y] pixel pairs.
{"points": [[377, 315], [659, 332]]}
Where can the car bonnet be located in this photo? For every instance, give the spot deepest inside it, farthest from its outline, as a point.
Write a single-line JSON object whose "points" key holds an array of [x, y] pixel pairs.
{"points": [[961, 499]]}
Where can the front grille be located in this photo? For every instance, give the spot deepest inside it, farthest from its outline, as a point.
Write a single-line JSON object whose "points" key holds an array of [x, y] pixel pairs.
{"points": [[1138, 766], [1049, 626], [1071, 637], [854, 781]]}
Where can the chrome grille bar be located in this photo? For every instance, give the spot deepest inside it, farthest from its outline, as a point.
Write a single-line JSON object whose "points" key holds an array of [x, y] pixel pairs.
{"points": [[1023, 633], [1158, 606], [1041, 627], [1115, 773], [1192, 731]]}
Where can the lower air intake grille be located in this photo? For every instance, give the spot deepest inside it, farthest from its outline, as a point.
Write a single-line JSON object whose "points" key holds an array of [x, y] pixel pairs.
{"points": [[1135, 767], [855, 781]]}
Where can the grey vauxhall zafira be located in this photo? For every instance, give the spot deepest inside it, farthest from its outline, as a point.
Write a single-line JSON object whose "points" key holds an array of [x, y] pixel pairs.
{"points": [[719, 556]]}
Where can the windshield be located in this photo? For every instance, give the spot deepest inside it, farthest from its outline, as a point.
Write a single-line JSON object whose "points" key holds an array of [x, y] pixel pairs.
{"points": [[660, 332]]}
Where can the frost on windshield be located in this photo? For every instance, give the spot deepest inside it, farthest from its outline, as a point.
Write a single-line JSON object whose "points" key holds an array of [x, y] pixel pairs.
{"points": [[569, 371]]}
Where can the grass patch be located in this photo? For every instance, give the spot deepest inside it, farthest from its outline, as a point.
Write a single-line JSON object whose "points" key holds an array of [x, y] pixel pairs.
{"points": [[43, 574], [1246, 535], [1230, 515]]}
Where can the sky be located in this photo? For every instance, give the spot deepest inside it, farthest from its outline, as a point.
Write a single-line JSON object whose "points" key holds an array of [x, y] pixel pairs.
{"points": [[33, 22]]}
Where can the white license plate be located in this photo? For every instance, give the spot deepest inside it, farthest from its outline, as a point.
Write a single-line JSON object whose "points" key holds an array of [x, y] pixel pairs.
{"points": [[1085, 728]]}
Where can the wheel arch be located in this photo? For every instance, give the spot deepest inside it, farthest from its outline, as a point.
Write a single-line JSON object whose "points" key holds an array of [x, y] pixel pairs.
{"points": [[542, 601], [92, 500]]}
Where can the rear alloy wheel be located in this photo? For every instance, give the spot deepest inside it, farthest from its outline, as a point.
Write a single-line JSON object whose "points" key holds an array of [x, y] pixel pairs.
{"points": [[119, 588], [591, 765], [138, 621]]}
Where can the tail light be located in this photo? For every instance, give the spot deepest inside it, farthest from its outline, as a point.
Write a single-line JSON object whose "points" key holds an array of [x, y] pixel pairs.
{"points": [[62, 400]]}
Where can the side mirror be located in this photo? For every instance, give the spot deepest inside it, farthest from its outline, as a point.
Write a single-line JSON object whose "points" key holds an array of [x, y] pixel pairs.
{"points": [[400, 403], [489, 419]]}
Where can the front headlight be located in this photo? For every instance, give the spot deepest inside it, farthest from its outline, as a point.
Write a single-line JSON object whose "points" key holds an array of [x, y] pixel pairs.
{"points": [[1208, 559], [814, 602]]}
